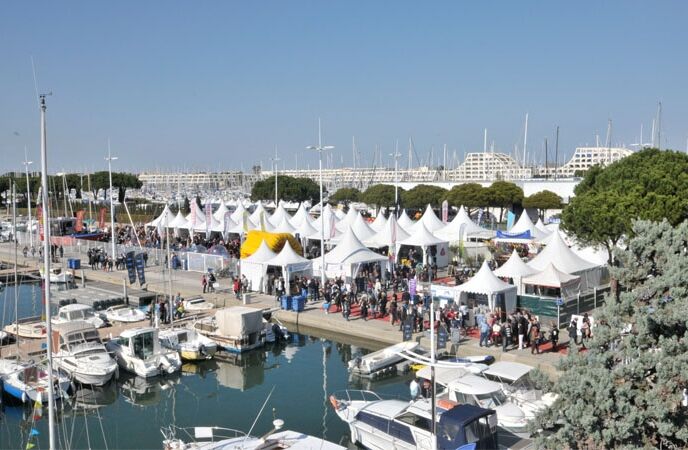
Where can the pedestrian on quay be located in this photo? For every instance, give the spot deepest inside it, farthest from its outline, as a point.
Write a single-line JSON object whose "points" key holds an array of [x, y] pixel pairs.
{"points": [[506, 334], [573, 332], [61, 251], [236, 287], [535, 337], [484, 328], [204, 283], [553, 336], [521, 332], [393, 309]]}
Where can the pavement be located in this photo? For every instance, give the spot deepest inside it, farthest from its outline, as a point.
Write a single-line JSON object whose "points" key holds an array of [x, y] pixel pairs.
{"points": [[372, 333]]}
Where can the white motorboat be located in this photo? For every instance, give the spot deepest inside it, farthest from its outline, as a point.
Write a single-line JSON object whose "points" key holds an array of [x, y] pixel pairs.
{"points": [[82, 355], [197, 305], [375, 361], [399, 425], [28, 382], [191, 345], [217, 438], [57, 275], [76, 311], [124, 314], [29, 327], [235, 329], [138, 351], [518, 386]]}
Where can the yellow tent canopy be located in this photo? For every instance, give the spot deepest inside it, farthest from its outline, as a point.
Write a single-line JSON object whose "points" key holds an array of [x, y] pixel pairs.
{"points": [[274, 240]]}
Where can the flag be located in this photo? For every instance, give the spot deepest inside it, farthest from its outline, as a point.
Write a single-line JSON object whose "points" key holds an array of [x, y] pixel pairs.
{"points": [[79, 226], [245, 220], [101, 218], [34, 432], [39, 216], [510, 219], [39, 198], [262, 221], [30, 445]]}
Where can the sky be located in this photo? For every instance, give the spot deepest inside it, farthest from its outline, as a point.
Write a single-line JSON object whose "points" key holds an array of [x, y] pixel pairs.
{"points": [[221, 85]]}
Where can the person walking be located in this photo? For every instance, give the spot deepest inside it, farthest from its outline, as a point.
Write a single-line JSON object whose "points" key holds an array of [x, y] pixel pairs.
{"points": [[521, 329], [553, 336], [534, 337], [506, 335], [393, 309], [204, 283], [484, 332]]}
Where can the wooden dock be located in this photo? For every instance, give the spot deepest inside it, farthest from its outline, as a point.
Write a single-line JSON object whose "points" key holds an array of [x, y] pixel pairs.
{"points": [[7, 275]]}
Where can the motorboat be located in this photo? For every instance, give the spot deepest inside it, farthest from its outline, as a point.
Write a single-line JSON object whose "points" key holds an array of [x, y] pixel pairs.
{"points": [[138, 350], [82, 355], [197, 305], [519, 387], [28, 381], [124, 314], [76, 311], [57, 275], [235, 329], [474, 364], [475, 390], [28, 327], [217, 438], [274, 331], [380, 424], [191, 345], [381, 359]]}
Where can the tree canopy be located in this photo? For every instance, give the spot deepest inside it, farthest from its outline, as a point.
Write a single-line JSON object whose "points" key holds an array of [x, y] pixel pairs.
{"points": [[650, 184], [470, 195], [291, 189], [627, 390], [503, 194], [542, 201], [346, 195], [380, 195], [422, 194]]}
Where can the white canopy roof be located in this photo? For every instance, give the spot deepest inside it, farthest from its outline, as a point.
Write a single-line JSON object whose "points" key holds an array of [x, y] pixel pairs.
{"points": [[430, 220], [541, 226], [238, 212], [559, 254], [262, 255], [300, 216], [279, 214], [219, 226], [179, 221], [284, 226], [387, 235], [339, 214], [288, 257], [219, 215], [405, 221], [514, 267], [379, 222], [305, 229], [452, 231], [350, 250], [485, 282], [525, 224], [550, 277], [255, 216], [360, 228], [422, 237], [165, 217], [329, 218], [348, 220]]}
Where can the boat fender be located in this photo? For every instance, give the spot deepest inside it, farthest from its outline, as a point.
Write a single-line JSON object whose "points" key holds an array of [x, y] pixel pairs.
{"points": [[334, 402], [24, 397]]}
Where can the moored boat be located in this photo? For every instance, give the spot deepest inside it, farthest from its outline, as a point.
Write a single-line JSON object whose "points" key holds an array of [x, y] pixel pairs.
{"points": [[124, 314], [76, 311], [138, 351], [28, 381], [235, 329], [191, 345], [381, 359], [82, 355]]}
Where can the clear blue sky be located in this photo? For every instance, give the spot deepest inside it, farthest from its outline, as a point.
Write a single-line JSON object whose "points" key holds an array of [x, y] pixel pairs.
{"points": [[216, 85]]}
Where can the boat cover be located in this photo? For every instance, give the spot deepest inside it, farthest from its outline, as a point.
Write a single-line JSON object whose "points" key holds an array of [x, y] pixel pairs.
{"points": [[239, 321]]}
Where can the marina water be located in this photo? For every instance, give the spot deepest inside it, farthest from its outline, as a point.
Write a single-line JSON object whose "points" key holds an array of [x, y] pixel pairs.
{"points": [[130, 412]]}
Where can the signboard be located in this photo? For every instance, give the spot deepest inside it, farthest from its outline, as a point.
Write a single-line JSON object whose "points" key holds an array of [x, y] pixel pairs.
{"points": [[407, 330], [442, 337], [455, 335], [445, 211], [141, 268], [560, 301], [131, 266]]}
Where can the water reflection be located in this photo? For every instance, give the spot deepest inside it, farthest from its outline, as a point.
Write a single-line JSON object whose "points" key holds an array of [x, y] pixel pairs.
{"points": [[144, 392], [242, 371], [88, 399]]}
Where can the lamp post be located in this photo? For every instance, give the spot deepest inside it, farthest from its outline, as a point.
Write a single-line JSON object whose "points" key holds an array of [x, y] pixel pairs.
{"points": [[396, 156], [28, 195], [275, 160], [320, 148], [109, 159]]}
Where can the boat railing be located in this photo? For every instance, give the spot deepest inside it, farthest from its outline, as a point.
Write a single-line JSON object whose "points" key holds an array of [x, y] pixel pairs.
{"points": [[200, 434], [351, 395]]}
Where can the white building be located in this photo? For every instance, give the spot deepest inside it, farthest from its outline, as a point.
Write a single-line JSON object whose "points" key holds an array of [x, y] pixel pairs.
{"points": [[584, 158]]}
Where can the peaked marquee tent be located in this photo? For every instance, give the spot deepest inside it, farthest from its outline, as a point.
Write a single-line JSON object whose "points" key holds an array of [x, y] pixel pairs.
{"points": [[346, 258], [498, 293], [430, 220], [423, 238], [553, 278], [453, 231], [516, 269]]}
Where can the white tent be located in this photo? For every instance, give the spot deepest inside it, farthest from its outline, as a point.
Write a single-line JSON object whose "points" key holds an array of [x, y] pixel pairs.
{"points": [[423, 238], [219, 215], [346, 258], [339, 214], [348, 220], [231, 227], [551, 277], [279, 214], [379, 222], [291, 263], [360, 228], [390, 234], [498, 293], [541, 226], [453, 230], [559, 254], [525, 224], [516, 269], [284, 226], [179, 221], [165, 217], [305, 229], [257, 213], [300, 216], [255, 267], [238, 212], [330, 221], [405, 221], [430, 220]]}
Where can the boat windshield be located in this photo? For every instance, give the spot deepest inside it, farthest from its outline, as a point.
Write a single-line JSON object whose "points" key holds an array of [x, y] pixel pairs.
{"points": [[491, 399], [144, 346]]}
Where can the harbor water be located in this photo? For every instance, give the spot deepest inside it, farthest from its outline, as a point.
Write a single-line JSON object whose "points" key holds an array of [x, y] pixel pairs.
{"points": [[130, 413]]}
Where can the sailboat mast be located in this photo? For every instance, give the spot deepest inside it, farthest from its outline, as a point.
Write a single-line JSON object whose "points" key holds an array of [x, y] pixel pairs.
{"points": [[16, 257], [46, 261]]}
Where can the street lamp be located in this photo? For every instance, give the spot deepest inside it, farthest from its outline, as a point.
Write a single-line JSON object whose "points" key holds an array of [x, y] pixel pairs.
{"points": [[396, 156], [275, 160], [320, 148], [109, 159], [27, 163]]}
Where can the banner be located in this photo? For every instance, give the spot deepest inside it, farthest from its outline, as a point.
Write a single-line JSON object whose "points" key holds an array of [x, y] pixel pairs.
{"points": [[131, 269], [445, 211], [194, 206], [228, 219], [208, 218], [412, 287], [39, 217], [505, 235], [141, 268], [442, 336], [101, 218], [79, 226], [510, 219], [407, 330]]}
